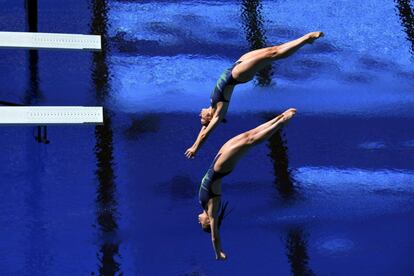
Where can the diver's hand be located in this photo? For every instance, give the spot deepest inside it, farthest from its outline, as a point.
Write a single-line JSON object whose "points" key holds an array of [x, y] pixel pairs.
{"points": [[190, 153], [220, 256]]}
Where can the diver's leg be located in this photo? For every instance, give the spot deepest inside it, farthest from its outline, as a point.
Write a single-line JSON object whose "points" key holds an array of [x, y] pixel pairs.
{"points": [[236, 147], [254, 53], [287, 49], [249, 66], [263, 134], [256, 60], [265, 125]]}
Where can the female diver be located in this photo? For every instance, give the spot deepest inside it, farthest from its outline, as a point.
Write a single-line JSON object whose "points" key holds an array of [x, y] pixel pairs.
{"points": [[242, 71], [225, 161]]}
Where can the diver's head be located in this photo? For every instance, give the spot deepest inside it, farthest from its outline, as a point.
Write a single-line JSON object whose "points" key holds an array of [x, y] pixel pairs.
{"points": [[204, 220], [205, 116]]}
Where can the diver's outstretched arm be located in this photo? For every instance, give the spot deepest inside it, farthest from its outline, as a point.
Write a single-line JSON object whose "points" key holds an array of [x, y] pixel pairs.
{"points": [[202, 137], [205, 131], [191, 152], [212, 212]]}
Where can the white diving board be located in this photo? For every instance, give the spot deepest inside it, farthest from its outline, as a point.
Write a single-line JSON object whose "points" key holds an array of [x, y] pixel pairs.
{"points": [[50, 41], [50, 115]]}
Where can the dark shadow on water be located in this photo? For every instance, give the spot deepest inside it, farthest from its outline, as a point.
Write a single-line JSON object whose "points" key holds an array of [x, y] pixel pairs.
{"points": [[358, 78], [32, 94], [181, 187], [321, 47], [148, 123], [406, 14], [374, 63], [38, 258], [252, 20], [311, 64], [297, 253], [197, 271], [284, 33], [106, 193], [124, 44], [6, 103], [406, 75], [306, 68]]}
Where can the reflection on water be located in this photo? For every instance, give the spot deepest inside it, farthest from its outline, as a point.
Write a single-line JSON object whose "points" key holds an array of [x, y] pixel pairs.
{"points": [[297, 252], [106, 199], [407, 19], [252, 20], [37, 255], [107, 204], [100, 70], [255, 33], [31, 9], [284, 181], [32, 93]]}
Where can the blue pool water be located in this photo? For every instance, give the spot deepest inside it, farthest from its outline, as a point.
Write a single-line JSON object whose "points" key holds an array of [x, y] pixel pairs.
{"points": [[332, 194]]}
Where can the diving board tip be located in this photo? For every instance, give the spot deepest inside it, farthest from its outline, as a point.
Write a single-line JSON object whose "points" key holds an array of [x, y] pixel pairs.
{"points": [[50, 115], [29, 40]]}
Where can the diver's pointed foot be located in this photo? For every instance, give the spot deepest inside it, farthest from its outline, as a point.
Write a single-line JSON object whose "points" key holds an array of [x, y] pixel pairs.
{"points": [[288, 114], [315, 35]]}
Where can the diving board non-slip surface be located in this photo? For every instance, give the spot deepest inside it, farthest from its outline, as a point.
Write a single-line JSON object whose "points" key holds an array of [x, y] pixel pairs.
{"points": [[49, 115], [50, 41]]}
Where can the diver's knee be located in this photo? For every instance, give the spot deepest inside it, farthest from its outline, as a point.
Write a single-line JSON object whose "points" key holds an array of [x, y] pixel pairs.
{"points": [[248, 138], [273, 52]]}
